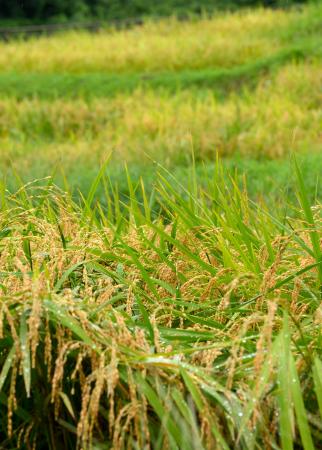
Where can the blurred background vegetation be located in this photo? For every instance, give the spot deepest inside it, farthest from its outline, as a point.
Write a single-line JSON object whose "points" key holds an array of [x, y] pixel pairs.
{"points": [[34, 11], [244, 86]]}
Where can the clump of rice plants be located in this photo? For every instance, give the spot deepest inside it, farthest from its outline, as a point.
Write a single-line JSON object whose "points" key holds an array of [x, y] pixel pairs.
{"points": [[195, 325]]}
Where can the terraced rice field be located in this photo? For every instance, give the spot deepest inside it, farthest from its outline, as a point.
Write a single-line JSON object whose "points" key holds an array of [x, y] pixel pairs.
{"points": [[160, 236]]}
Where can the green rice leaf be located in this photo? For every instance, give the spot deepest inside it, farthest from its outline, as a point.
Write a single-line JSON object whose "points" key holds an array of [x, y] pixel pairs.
{"points": [[299, 407], [6, 367], [284, 391], [61, 316], [25, 350], [67, 403], [59, 283], [317, 377], [154, 400]]}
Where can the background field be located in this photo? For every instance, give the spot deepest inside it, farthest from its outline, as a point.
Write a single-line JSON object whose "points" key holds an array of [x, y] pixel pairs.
{"points": [[247, 87], [160, 234]]}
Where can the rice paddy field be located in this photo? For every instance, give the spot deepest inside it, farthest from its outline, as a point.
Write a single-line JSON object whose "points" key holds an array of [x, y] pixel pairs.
{"points": [[160, 235]]}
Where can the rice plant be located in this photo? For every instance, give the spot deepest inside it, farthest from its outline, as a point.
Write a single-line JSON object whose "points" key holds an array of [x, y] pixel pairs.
{"points": [[192, 325]]}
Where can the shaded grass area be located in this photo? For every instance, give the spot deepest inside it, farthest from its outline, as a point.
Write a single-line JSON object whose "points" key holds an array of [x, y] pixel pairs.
{"points": [[195, 328], [91, 85]]}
